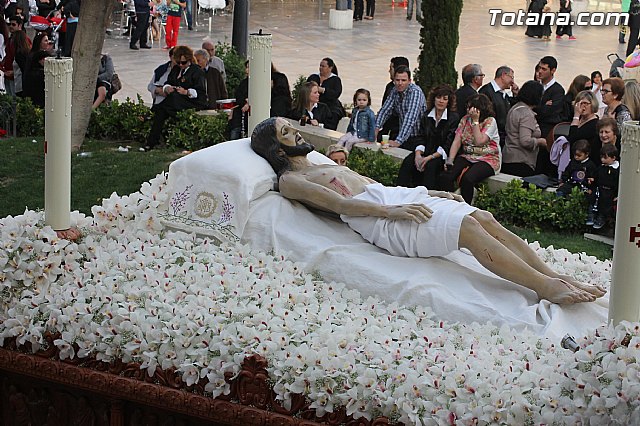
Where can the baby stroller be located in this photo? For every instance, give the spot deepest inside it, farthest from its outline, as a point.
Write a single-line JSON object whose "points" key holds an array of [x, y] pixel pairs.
{"points": [[617, 65]]}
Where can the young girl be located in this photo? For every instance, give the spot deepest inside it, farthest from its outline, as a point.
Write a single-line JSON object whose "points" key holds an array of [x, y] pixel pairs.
{"points": [[362, 125], [596, 85]]}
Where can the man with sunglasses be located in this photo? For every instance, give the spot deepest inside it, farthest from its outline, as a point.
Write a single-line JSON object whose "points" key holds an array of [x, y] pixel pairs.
{"points": [[185, 89], [15, 25]]}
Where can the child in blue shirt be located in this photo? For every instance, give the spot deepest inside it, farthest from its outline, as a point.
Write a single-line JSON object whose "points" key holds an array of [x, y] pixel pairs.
{"points": [[363, 121]]}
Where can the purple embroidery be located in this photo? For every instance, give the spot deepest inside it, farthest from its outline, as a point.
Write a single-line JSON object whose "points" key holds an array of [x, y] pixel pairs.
{"points": [[227, 210], [179, 200]]}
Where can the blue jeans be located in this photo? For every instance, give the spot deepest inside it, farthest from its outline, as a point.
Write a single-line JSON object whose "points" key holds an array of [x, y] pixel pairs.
{"points": [[188, 9], [418, 9]]}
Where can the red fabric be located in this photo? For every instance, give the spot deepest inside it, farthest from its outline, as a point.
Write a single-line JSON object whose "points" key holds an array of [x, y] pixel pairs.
{"points": [[172, 29]]}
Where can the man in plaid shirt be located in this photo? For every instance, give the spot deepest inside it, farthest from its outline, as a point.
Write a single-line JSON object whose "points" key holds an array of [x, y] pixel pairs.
{"points": [[408, 102]]}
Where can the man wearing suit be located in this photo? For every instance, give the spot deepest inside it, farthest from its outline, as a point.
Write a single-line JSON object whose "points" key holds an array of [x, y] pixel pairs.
{"points": [[495, 91], [550, 111], [215, 84], [472, 77], [185, 89]]}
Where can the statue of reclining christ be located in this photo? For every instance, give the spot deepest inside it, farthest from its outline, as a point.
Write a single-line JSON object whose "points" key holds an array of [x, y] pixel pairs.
{"points": [[413, 222]]}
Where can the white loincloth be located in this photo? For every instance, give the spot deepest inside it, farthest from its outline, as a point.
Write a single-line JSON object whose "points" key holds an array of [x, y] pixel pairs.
{"points": [[436, 237]]}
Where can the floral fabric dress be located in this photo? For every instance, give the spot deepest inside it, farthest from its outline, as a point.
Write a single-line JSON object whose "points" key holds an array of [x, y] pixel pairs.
{"points": [[489, 153]]}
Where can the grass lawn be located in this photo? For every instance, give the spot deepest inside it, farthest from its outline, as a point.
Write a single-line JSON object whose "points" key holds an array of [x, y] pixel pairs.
{"points": [[107, 171], [92, 178]]}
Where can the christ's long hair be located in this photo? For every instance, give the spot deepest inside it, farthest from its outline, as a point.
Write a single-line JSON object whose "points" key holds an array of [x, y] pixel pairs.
{"points": [[265, 143]]}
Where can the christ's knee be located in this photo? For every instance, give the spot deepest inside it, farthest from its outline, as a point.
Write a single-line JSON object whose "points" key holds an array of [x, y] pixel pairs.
{"points": [[485, 218], [472, 234]]}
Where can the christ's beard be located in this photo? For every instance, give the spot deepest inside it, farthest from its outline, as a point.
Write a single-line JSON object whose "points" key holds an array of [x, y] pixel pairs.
{"points": [[298, 150]]}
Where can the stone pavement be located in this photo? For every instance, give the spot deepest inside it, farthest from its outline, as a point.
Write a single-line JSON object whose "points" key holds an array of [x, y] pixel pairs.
{"points": [[301, 38]]}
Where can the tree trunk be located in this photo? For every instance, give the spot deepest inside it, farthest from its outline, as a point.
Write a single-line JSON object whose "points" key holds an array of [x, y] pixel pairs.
{"points": [[94, 19], [439, 37]]}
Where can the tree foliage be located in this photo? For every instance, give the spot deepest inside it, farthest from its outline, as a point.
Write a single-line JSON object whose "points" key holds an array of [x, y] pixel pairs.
{"points": [[439, 38]]}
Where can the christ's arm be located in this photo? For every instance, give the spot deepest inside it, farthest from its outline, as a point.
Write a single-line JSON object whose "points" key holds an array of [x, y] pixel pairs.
{"points": [[296, 187]]}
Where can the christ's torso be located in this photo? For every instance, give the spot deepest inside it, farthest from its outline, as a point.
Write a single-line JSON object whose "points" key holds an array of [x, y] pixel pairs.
{"points": [[339, 179]]}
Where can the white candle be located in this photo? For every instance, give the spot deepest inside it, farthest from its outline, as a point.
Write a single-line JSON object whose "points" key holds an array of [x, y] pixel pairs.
{"points": [[57, 146], [624, 301], [259, 78]]}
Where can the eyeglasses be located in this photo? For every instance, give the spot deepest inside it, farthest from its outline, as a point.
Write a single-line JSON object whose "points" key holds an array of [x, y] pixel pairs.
{"points": [[13, 24], [605, 91], [183, 62]]}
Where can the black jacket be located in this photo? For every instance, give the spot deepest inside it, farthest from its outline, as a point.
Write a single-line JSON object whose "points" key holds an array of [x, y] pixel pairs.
{"points": [[193, 78], [578, 173], [441, 135], [550, 115], [321, 113], [608, 178], [501, 105], [462, 96], [331, 98]]}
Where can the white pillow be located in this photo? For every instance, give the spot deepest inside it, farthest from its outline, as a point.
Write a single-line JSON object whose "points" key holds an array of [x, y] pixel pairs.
{"points": [[210, 190]]}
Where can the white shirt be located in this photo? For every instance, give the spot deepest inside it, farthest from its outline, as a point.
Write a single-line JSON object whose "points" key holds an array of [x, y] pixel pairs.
{"points": [[432, 114], [549, 84], [497, 88]]}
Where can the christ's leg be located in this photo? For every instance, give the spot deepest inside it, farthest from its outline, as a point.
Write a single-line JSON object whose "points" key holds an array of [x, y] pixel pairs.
{"points": [[523, 251], [494, 256]]}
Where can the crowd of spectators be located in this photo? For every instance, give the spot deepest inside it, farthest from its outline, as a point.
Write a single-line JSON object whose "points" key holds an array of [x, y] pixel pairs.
{"points": [[456, 138], [459, 138]]}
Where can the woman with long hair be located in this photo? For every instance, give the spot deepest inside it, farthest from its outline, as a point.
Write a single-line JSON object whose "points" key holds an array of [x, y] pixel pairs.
{"points": [[308, 109], [631, 98], [22, 48], [580, 82], [426, 163], [280, 94], [330, 89], [475, 152]]}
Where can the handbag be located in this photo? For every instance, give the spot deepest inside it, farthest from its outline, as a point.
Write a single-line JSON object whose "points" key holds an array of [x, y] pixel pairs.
{"points": [[116, 84]]}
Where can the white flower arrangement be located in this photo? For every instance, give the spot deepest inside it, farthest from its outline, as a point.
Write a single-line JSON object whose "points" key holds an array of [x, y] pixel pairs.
{"points": [[130, 290]]}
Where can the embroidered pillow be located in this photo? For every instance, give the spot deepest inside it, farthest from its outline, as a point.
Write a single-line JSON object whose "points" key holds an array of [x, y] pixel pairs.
{"points": [[210, 190]]}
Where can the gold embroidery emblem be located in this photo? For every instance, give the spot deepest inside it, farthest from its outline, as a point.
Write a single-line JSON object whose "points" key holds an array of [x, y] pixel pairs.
{"points": [[205, 205]]}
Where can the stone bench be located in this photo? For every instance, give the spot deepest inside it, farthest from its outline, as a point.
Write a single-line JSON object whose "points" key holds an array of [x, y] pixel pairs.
{"points": [[322, 138]]}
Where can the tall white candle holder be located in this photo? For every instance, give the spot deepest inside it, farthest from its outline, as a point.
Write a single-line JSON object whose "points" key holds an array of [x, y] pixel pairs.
{"points": [[57, 144], [624, 300], [259, 78]]}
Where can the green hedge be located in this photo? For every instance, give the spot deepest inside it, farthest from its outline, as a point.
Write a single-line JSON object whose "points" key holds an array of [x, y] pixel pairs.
{"points": [[374, 164], [534, 208], [193, 132], [29, 118], [120, 121], [131, 120]]}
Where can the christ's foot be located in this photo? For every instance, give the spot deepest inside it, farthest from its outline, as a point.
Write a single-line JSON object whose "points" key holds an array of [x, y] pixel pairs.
{"points": [[596, 290], [561, 292]]}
